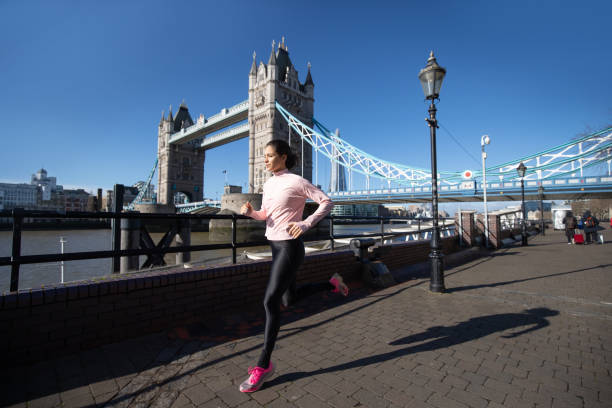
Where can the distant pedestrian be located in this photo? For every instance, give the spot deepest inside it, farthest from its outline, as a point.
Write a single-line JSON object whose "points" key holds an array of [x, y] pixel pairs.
{"points": [[284, 196], [570, 226], [590, 227]]}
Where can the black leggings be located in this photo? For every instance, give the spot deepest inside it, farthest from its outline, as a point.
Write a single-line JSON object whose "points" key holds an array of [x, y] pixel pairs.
{"points": [[287, 256]]}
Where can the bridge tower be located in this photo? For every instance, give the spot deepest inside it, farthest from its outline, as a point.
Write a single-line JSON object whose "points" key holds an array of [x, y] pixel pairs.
{"points": [[181, 167], [277, 81]]}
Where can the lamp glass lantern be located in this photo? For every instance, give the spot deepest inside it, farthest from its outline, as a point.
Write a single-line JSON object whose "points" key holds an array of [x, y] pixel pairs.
{"points": [[521, 169], [431, 78]]}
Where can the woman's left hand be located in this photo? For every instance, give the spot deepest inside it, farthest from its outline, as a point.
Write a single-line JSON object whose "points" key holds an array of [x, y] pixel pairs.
{"points": [[294, 230]]}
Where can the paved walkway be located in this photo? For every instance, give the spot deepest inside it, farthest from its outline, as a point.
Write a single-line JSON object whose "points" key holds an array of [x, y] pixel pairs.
{"points": [[525, 327]]}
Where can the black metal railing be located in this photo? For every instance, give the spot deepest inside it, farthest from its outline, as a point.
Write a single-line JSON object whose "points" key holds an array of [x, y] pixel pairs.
{"points": [[18, 215], [382, 234]]}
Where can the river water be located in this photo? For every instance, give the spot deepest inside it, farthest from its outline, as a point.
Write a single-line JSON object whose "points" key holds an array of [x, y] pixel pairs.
{"points": [[48, 242]]}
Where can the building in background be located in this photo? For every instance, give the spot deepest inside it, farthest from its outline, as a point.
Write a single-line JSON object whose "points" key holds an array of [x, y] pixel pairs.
{"points": [[356, 210], [18, 196], [229, 189], [395, 211], [48, 185], [50, 194], [76, 200], [338, 176]]}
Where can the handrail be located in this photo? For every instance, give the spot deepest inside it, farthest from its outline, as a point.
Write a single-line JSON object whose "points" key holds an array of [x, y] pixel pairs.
{"points": [[19, 215]]}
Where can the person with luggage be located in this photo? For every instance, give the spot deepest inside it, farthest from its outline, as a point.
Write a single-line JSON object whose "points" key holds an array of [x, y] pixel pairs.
{"points": [[570, 226], [590, 227]]}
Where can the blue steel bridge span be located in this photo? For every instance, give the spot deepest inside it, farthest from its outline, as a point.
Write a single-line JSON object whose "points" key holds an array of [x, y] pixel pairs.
{"points": [[567, 171]]}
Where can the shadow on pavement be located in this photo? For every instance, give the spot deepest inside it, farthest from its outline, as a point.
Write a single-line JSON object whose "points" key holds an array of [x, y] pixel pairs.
{"points": [[439, 337], [493, 285]]}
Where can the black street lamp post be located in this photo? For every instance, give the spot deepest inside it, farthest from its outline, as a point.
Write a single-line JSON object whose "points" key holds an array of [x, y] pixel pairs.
{"points": [[431, 78], [521, 172], [541, 194]]}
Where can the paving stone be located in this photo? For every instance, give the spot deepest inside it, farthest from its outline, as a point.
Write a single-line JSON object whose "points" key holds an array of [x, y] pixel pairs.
{"points": [[181, 401], [369, 399], [473, 378], [567, 402], [372, 385], [280, 403], [468, 398], [320, 390], [265, 396], [503, 387], [487, 393], [198, 394], [440, 401], [310, 401], [52, 400], [75, 392], [400, 398], [164, 399], [456, 382], [342, 401], [78, 400], [249, 404], [541, 400], [392, 381], [512, 401], [232, 397], [102, 399], [103, 387]]}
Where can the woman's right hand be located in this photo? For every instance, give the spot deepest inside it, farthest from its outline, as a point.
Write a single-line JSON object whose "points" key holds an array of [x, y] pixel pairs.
{"points": [[246, 208]]}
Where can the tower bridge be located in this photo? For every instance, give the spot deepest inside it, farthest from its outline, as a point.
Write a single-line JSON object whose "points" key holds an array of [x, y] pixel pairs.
{"points": [[280, 106]]}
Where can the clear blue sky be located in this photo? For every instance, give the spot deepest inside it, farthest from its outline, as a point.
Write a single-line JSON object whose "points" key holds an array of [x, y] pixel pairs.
{"points": [[83, 83]]}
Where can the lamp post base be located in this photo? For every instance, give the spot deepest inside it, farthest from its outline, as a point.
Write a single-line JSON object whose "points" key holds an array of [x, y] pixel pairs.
{"points": [[436, 283]]}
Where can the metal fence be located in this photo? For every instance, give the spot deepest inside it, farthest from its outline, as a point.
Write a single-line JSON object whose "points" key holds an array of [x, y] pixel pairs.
{"points": [[18, 215]]}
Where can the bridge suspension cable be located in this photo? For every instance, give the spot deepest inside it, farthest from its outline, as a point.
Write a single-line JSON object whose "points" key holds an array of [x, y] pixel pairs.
{"points": [[352, 157], [559, 161]]}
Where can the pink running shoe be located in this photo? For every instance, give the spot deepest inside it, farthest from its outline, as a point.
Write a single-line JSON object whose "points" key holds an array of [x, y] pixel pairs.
{"points": [[257, 376], [339, 284]]}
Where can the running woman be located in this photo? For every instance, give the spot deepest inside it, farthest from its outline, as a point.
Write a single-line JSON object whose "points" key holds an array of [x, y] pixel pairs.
{"points": [[284, 196]]}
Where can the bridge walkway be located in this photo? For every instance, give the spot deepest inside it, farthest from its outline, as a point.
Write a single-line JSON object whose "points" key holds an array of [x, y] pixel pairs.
{"points": [[519, 327]]}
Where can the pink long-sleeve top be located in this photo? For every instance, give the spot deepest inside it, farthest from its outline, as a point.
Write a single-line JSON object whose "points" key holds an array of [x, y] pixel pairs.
{"points": [[284, 196]]}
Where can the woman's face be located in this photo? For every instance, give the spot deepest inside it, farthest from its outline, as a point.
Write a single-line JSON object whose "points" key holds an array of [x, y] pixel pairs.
{"points": [[273, 161]]}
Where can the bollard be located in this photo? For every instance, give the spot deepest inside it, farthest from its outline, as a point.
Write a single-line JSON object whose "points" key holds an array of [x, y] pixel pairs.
{"points": [[183, 238], [130, 239]]}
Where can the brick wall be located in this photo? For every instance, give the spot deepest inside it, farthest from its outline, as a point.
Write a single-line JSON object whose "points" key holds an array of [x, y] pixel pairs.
{"points": [[413, 252], [41, 323], [467, 227]]}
